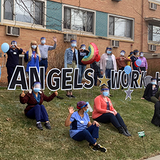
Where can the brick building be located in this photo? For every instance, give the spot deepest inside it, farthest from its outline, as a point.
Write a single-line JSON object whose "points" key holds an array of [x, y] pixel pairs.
{"points": [[124, 24]]}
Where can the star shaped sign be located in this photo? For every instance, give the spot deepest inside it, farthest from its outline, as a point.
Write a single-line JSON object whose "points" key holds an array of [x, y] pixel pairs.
{"points": [[128, 93], [104, 80]]}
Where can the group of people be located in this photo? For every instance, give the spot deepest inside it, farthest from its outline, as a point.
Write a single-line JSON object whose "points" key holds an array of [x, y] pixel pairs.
{"points": [[81, 127], [36, 56]]}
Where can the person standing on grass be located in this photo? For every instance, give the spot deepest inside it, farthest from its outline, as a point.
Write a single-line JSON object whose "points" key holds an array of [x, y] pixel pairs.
{"points": [[32, 56], [152, 91], [71, 61], [104, 112], [81, 128], [35, 109], [96, 67], [133, 58], [44, 51], [13, 58], [144, 64], [82, 52], [108, 63]]}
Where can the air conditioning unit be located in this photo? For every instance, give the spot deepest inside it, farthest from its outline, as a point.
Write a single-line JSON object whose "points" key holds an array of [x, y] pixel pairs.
{"points": [[114, 43], [12, 31], [153, 6], [68, 37], [152, 47]]}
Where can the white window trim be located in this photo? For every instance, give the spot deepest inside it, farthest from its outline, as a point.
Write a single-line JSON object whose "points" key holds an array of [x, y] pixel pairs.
{"points": [[117, 37], [154, 1], [13, 22], [75, 31]]}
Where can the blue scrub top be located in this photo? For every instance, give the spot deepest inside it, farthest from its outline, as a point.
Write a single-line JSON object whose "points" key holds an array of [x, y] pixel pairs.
{"points": [[78, 123]]}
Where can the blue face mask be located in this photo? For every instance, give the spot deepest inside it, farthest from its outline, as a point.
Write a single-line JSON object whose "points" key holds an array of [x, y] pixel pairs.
{"points": [[154, 83], [34, 46], [87, 111], [36, 90], [73, 44], [106, 93], [109, 52], [43, 41]]}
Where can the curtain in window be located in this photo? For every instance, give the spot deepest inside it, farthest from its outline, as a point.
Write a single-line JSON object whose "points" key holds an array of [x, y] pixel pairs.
{"points": [[39, 13], [111, 25], [8, 9], [67, 18], [156, 33], [89, 22]]}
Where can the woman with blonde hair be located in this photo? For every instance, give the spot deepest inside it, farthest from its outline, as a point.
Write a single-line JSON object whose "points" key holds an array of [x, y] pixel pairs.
{"points": [[32, 56]]}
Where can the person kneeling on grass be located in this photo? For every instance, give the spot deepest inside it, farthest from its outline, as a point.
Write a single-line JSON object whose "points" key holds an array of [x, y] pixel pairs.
{"points": [[152, 91], [156, 116], [104, 112], [79, 121], [35, 109]]}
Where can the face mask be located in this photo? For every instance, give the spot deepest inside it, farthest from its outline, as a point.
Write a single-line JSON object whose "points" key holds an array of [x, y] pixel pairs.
{"points": [[43, 41], [154, 83], [36, 90], [122, 53], [141, 55], [137, 54], [87, 111], [13, 46], [34, 46], [105, 94], [73, 44], [109, 52], [83, 48]]}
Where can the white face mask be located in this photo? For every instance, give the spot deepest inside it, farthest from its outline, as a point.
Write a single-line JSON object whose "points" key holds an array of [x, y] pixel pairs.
{"points": [[122, 53], [141, 55], [34, 46], [43, 41]]}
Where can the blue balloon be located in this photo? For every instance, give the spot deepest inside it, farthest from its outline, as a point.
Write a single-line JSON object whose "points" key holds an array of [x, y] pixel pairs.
{"points": [[5, 47], [138, 62], [127, 69]]}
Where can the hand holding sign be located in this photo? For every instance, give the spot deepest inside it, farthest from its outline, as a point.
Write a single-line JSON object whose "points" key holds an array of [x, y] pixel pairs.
{"points": [[56, 93], [23, 94]]}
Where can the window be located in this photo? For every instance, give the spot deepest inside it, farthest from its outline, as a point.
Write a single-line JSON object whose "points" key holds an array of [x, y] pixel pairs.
{"points": [[154, 33], [76, 19], [120, 27], [24, 11], [158, 1]]}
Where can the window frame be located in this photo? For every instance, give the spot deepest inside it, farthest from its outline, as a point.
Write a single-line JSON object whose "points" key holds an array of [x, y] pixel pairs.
{"points": [[118, 37], [76, 31], [14, 22], [151, 41]]}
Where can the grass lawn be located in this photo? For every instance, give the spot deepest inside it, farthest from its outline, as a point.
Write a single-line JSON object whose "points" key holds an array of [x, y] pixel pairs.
{"points": [[21, 140]]}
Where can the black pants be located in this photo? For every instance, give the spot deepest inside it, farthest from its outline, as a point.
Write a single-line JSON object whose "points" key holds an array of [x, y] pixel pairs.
{"points": [[117, 120], [143, 68], [10, 71]]}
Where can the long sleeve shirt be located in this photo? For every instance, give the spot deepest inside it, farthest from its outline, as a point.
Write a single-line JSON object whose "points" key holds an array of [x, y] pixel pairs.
{"points": [[122, 61], [144, 62], [44, 50], [100, 106]]}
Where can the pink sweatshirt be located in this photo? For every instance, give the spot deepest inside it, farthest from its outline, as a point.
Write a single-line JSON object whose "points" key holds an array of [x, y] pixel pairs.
{"points": [[100, 106]]}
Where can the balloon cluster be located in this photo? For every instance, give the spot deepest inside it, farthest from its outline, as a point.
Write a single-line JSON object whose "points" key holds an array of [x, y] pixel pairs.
{"points": [[92, 56], [138, 62]]}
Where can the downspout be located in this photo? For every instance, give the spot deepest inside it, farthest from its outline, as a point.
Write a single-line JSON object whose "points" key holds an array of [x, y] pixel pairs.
{"points": [[142, 20]]}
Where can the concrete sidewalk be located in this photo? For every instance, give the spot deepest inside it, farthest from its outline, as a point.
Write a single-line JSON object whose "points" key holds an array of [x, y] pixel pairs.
{"points": [[154, 158]]}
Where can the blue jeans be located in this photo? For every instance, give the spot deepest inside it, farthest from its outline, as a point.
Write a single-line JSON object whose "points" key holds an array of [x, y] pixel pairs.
{"points": [[81, 71], [44, 62], [89, 134], [38, 112], [108, 75], [117, 120]]}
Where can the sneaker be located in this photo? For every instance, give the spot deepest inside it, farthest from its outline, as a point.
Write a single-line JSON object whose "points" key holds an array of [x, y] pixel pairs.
{"points": [[68, 95], [47, 125], [39, 126], [98, 147], [73, 96]]}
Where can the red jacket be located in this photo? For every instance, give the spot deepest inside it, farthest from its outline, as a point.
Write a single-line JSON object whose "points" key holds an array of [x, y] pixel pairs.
{"points": [[31, 101]]}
